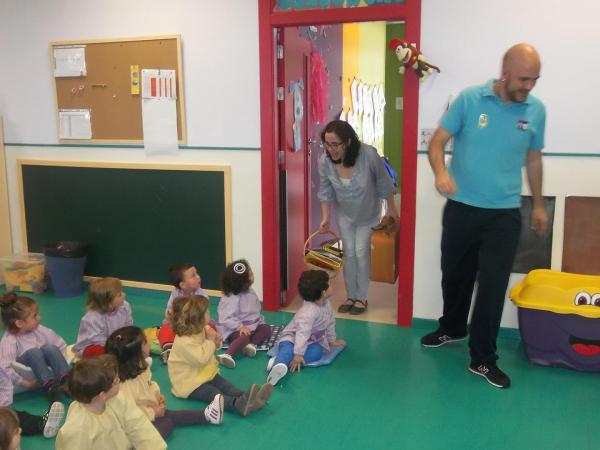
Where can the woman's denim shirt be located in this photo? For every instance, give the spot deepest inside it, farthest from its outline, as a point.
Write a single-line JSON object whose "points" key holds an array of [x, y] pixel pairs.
{"points": [[360, 199]]}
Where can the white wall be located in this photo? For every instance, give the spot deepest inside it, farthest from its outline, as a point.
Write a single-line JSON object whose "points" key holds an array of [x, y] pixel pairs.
{"points": [[221, 85], [466, 38]]}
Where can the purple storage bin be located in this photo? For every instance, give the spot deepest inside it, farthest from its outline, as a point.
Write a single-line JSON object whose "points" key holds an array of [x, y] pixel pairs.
{"points": [[559, 319]]}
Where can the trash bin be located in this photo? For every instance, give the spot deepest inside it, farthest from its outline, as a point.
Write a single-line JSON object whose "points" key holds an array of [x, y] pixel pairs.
{"points": [[65, 262]]}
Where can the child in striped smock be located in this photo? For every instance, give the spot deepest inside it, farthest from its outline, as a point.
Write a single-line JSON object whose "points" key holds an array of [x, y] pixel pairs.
{"points": [[186, 280], [107, 311], [28, 342], [240, 321]]}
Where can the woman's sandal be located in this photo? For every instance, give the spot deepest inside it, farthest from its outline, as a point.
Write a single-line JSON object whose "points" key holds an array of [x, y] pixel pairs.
{"points": [[345, 307], [355, 310]]}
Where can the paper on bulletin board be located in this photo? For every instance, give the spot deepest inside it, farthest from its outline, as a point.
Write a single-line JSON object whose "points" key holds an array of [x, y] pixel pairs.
{"points": [[157, 83], [69, 61], [75, 124], [159, 120]]}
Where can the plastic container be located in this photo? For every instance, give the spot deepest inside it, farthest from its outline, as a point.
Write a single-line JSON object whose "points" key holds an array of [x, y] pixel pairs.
{"points": [[24, 272], [559, 319], [65, 261]]}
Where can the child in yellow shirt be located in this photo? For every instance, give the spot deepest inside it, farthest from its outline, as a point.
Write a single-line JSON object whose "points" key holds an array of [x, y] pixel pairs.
{"points": [[102, 417], [193, 368], [130, 348]]}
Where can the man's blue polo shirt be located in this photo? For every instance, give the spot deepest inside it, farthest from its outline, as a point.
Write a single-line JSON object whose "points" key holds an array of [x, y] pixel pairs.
{"points": [[491, 141]]}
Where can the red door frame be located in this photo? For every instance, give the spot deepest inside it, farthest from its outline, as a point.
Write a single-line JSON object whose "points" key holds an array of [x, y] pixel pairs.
{"points": [[409, 12]]}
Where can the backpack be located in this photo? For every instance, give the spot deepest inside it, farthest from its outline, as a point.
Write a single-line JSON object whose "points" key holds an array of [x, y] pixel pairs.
{"points": [[390, 170]]}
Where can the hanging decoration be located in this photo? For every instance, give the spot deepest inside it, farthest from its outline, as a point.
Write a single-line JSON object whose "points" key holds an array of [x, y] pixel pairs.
{"points": [[295, 89], [410, 56], [319, 83]]}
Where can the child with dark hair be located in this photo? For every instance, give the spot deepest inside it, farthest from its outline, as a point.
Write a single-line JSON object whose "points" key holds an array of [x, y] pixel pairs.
{"points": [[10, 432], [186, 280], [31, 425], [312, 330], [107, 310], [193, 368], [102, 417], [240, 321], [130, 347], [28, 342]]}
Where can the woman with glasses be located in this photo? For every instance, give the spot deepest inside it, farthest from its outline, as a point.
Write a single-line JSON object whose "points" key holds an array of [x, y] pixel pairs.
{"points": [[354, 179]]}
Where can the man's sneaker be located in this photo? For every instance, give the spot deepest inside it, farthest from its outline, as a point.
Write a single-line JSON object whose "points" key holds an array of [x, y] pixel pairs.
{"points": [[226, 360], [249, 350], [277, 373], [270, 363], [439, 338], [214, 411], [52, 418], [491, 373], [164, 356]]}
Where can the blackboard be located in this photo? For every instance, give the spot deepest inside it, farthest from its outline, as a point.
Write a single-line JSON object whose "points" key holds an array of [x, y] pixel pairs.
{"points": [[139, 219]]}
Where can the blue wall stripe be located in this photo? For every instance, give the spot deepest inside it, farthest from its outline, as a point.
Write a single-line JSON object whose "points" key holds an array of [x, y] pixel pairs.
{"points": [[575, 155], [127, 146]]}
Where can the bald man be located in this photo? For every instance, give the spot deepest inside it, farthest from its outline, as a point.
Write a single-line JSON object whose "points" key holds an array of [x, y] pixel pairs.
{"points": [[498, 128]]}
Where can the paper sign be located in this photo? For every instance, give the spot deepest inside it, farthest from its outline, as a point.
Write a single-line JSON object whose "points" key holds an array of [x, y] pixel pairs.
{"points": [[75, 124], [158, 83], [69, 61]]}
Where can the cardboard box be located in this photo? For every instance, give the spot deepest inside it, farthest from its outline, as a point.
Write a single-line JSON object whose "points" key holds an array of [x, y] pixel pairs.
{"points": [[384, 256]]}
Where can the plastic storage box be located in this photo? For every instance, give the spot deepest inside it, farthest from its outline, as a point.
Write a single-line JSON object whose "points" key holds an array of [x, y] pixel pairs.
{"points": [[559, 319], [24, 272]]}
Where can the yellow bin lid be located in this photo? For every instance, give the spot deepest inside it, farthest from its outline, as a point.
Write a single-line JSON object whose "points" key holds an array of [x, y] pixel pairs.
{"points": [[559, 292]]}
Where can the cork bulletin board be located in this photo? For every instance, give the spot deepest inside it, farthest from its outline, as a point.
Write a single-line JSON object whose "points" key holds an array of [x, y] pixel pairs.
{"points": [[106, 88]]}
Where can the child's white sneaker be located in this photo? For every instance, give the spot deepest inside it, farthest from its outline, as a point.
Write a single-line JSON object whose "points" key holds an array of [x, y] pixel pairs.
{"points": [[249, 350], [270, 363], [226, 360], [214, 411], [277, 373], [52, 419]]}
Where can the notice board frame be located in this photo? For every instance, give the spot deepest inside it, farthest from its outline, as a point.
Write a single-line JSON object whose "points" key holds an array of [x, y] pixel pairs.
{"points": [[116, 114]]}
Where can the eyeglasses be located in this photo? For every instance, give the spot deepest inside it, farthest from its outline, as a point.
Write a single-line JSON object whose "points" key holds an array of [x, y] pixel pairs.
{"points": [[333, 145]]}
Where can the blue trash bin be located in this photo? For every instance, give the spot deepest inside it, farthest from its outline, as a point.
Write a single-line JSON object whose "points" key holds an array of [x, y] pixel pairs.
{"points": [[65, 263]]}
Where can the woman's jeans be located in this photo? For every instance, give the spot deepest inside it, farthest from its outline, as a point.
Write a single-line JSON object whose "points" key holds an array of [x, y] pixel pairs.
{"points": [[356, 242]]}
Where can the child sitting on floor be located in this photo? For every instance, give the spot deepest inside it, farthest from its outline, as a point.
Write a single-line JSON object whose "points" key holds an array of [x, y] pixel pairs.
{"points": [[193, 368], [107, 311], [10, 433], [130, 348], [101, 417], [312, 330], [240, 321], [31, 344], [186, 281], [31, 425]]}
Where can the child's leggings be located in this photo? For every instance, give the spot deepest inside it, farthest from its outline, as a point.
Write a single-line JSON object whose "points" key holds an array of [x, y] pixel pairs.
{"points": [[218, 385], [285, 353], [172, 419], [40, 358], [30, 425], [238, 341]]}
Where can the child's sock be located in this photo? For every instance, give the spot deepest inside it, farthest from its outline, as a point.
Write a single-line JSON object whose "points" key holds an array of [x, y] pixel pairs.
{"points": [[166, 351]]}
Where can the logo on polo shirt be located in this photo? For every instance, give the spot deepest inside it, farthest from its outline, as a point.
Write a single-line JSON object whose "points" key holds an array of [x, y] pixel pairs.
{"points": [[483, 120], [522, 125]]}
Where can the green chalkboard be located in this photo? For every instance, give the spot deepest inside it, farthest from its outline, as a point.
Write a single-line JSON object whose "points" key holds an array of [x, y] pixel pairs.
{"points": [[138, 220]]}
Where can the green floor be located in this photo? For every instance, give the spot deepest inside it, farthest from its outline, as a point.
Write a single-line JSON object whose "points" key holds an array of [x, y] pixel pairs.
{"points": [[385, 391]]}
